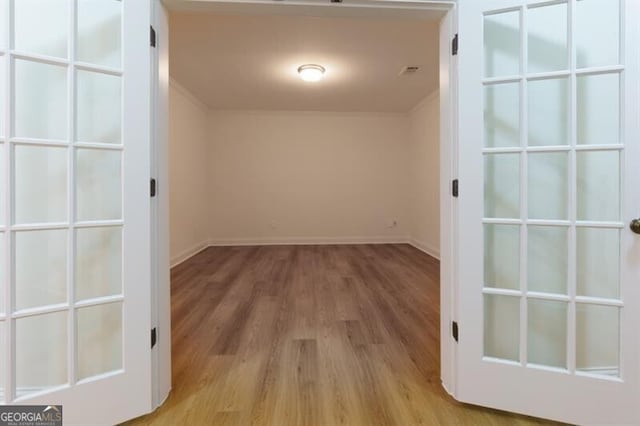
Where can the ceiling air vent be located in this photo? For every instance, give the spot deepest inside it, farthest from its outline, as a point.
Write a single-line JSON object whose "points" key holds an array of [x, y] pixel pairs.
{"points": [[409, 70]]}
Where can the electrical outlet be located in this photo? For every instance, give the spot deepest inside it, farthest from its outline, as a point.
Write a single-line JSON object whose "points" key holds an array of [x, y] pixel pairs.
{"points": [[273, 224], [392, 224]]}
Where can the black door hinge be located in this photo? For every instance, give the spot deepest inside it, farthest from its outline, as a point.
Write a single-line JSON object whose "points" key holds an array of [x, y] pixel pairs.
{"points": [[153, 37], [454, 330], [454, 188], [153, 188], [454, 45], [154, 337]]}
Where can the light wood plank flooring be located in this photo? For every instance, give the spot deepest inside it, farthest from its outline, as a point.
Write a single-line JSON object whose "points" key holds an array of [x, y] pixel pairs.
{"points": [[310, 335]]}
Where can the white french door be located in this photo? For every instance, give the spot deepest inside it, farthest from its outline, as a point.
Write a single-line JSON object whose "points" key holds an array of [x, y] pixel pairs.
{"points": [[74, 207], [549, 290]]}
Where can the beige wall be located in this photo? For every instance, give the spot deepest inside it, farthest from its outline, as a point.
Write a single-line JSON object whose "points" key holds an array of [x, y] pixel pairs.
{"points": [[247, 177], [424, 169], [188, 148], [280, 177]]}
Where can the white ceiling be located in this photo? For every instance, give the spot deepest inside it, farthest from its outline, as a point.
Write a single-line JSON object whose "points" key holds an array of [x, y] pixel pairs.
{"points": [[249, 61]]}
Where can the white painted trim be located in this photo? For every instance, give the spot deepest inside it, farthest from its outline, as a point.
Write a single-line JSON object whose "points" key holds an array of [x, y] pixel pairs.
{"points": [[292, 241], [414, 9], [369, 4], [161, 354], [448, 205], [305, 241], [425, 247], [174, 84], [189, 253]]}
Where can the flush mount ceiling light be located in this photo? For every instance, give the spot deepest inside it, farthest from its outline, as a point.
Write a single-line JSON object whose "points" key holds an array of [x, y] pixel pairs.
{"points": [[311, 72]]}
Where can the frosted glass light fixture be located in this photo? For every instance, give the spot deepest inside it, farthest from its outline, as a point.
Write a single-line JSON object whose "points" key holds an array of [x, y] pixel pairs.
{"points": [[311, 72]]}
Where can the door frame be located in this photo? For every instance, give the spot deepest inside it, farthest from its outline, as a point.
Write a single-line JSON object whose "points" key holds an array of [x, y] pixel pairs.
{"points": [[160, 297], [160, 259]]}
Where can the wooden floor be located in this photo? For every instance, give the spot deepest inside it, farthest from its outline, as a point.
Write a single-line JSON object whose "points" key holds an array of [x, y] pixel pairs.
{"points": [[310, 335]]}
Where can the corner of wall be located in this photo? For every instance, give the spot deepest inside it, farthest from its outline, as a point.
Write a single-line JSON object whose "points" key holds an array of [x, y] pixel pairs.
{"points": [[424, 101], [424, 165], [427, 248], [175, 84], [188, 173], [188, 253]]}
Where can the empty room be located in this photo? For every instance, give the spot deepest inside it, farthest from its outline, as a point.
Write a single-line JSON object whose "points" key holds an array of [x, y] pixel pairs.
{"points": [[305, 217], [304, 173]]}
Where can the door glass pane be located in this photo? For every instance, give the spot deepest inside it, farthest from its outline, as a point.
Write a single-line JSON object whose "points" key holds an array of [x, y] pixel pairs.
{"points": [[502, 327], [547, 333], [502, 115], [98, 184], [597, 33], [598, 109], [99, 32], [40, 184], [3, 21], [2, 185], [2, 272], [548, 185], [502, 44], [2, 360], [2, 92], [3, 307], [548, 38], [502, 256], [502, 186], [40, 268], [598, 339], [549, 112], [41, 352], [98, 262], [99, 339], [41, 26], [99, 100], [547, 253], [598, 262], [598, 185], [40, 100]]}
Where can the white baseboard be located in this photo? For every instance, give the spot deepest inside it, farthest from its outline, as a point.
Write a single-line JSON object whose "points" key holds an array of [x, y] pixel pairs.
{"points": [[189, 253], [305, 241], [424, 247]]}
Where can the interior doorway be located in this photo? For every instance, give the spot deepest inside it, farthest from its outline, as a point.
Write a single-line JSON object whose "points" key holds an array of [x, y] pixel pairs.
{"points": [[388, 223]]}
